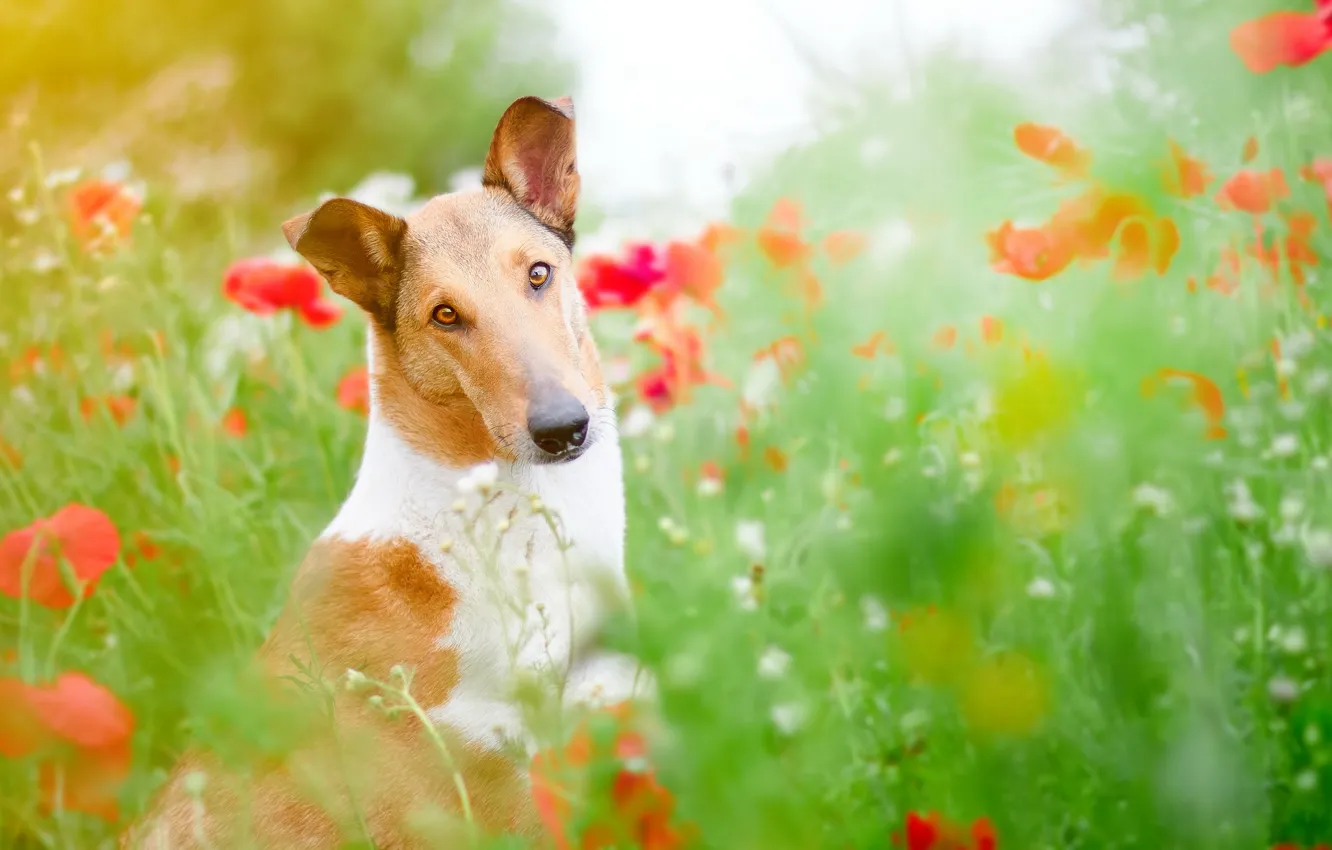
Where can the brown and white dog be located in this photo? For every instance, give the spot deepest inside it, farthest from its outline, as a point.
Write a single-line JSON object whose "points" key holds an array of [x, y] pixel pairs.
{"points": [[482, 543]]}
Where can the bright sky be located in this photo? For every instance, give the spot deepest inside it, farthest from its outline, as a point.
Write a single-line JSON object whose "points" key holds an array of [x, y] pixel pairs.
{"points": [[672, 93]]}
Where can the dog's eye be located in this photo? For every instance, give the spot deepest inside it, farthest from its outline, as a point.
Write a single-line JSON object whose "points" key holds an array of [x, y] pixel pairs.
{"points": [[444, 315], [538, 275]]}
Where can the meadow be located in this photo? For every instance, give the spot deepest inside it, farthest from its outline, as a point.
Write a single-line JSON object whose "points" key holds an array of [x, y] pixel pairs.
{"points": [[978, 468]]}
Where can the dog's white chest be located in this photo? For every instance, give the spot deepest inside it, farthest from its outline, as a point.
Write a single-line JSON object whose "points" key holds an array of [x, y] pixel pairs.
{"points": [[536, 557]]}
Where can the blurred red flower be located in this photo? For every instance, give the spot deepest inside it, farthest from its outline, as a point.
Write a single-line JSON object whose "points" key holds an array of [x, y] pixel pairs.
{"points": [[1051, 146], [1283, 38], [102, 213], [83, 536], [264, 286], [1033, 253], [119, 407], [1253, 191], [610, 283], [932, 832], [682, 352], [354, 390], [641, 807], [693, 270], [234, 423], [80, 730], [1205, 395]]}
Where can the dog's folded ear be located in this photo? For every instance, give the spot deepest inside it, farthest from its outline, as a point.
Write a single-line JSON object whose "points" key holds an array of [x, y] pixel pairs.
{"points": [[357, 248], [532, 157]]}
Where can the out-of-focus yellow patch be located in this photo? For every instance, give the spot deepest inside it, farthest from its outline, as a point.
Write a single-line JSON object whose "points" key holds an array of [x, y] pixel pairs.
{"points": [[937, 646], [1005, 695], [1032, 403]]}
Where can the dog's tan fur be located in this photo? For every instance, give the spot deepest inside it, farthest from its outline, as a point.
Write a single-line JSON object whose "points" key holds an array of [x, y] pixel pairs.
{"points": [[459, 396]]}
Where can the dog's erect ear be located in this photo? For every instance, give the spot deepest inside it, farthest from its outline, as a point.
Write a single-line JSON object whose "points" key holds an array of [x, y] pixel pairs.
{"points": [[532, 157], [357, 248]]}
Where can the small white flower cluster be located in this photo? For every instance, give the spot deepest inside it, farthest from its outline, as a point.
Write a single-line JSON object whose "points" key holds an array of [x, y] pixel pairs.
{"points": [[1241, 505], [1153, 499], [479, 479], [675, 532], [751, 539]]}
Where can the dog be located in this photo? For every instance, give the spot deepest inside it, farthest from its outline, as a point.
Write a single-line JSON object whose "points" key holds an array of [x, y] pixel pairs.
{"points": [[482, 546]]}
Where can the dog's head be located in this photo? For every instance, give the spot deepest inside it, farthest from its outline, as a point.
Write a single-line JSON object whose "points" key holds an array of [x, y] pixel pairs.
{"points": [[480, 338]]}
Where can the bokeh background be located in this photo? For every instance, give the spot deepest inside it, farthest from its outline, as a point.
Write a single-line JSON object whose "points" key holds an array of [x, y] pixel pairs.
{"points": [[927, 553]]}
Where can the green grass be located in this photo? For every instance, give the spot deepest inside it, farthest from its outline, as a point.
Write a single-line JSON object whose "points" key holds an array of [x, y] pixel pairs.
{"points": [[1164, 684]]}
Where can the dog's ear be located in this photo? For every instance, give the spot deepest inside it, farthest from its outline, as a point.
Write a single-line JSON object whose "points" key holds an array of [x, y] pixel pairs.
{"points": [[357, 248], [532, 157]]}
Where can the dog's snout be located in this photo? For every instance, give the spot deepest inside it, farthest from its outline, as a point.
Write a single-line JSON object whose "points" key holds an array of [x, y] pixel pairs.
{"points": [[558, 424]]}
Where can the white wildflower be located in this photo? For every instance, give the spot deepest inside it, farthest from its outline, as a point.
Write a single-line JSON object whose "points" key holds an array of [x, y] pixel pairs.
{"points": [[1285, 445], [1318, 381], [1293, 641], [1155, 499], [44, 262], [664, 432], [1318, 547], [1297, 344], [709, 485], [1306, 780], [480, 478], [1282, 689], [874, 614], [751, 540], [1242, 506], [1286, 368], [1292, 507], [788, 717], [746, 593], [388, 191], [1320, 464], [773, 663], [1041, 588], [28, 216], [637, 421], [15, 195], [62, 177], [892, 456], [969, 460], [762, 383], [894, 409], [22, 393]]}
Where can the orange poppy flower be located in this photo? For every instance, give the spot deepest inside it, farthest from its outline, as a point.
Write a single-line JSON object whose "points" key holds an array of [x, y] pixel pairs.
{"points": [[80, 730], [1052, 147], [843, 246], [102, 213], [945, 337], [718, 236], [1186, 177], [1253, 191], [1299, 253], [779, 239], [119, 407], [1134, 251], [354, 390], [1206, 395], [234, 423], [695, 271], [787, 352], [992, 330], [1283, 38], [641, 808], [1165, 245], [263, 287], [871, 346], [1030, 253], [82, 536], [775, 458], [682, 353]]}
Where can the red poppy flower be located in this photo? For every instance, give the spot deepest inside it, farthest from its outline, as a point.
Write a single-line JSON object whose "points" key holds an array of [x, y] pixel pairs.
{"points": [[354, 390], [945, 337], [234, 423], [610, 283], [1052, 147], [1283, 38], [681, 368], [102, 212], [265, 286], [1253, 191], [932, 832], [82, 536], [142, 547], [80, 730], [1186, 177], [119, 407]]}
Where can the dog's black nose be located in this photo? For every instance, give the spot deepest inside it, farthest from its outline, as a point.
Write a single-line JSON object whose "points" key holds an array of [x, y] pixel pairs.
{"points": [[558, 425]]}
